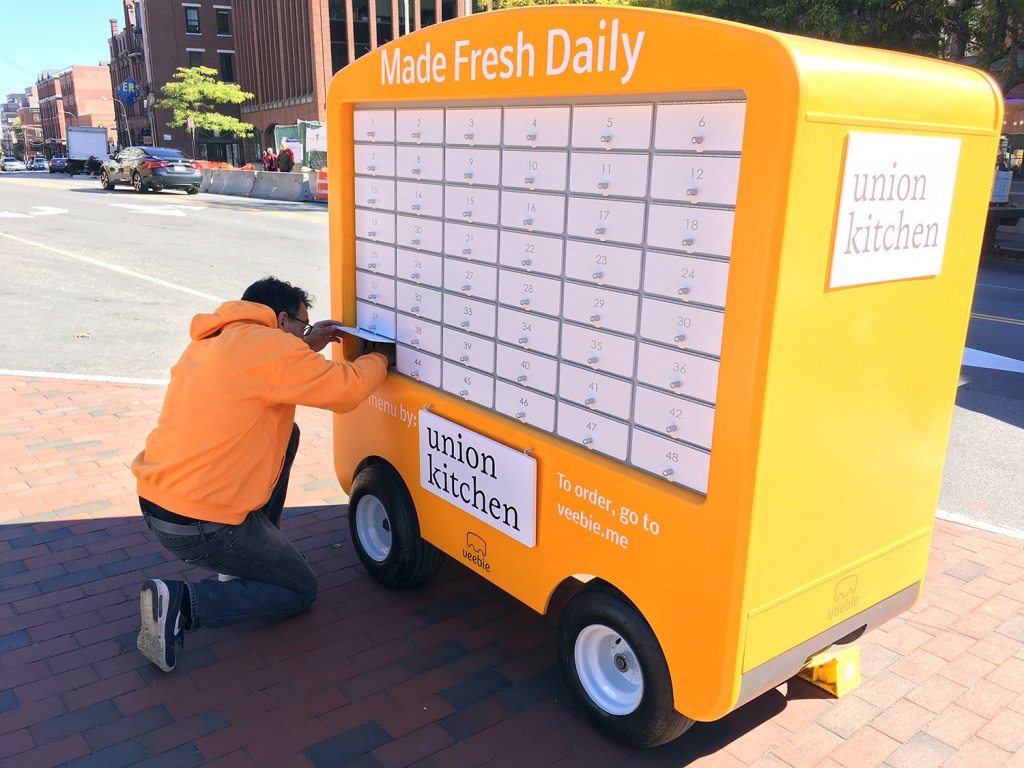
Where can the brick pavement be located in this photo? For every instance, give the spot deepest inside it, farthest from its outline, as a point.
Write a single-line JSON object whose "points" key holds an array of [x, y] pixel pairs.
{"points": [[452, 674]]}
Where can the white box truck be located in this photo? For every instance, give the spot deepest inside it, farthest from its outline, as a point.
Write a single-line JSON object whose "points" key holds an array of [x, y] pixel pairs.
{"points": [[84, 142]]}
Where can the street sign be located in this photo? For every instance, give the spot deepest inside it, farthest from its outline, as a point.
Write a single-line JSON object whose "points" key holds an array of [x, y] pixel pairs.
{"points": [[128, 91]]}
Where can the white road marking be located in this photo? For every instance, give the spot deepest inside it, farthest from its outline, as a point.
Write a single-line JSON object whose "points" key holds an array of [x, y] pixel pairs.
{"points": [[155, 210], [81, 377], [976, 358], [115, 268], [12, 215], [45, 210]]}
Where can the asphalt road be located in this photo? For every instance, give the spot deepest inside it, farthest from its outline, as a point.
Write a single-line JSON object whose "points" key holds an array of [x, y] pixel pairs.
{"points": [[105, 284]]}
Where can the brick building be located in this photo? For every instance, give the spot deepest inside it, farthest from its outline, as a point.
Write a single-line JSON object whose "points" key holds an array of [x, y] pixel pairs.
{"points": [[78, 95], [159, 36], [288, 50]]}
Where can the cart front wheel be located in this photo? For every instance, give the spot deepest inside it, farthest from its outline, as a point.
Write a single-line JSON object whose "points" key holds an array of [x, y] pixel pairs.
{"points": [[614, 665], [386, 532]]}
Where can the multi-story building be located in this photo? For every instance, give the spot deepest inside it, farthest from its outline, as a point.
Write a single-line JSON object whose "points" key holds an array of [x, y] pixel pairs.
{"points": [[78, 95], [288, 50], [160, 36], [129, 82]]}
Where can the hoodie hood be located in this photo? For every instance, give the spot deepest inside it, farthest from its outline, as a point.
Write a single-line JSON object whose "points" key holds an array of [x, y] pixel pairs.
{"points": [[205, 326]]}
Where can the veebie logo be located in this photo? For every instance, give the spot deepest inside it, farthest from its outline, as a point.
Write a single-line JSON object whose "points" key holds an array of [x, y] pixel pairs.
{"points": [[476, 551], [846, 598]]}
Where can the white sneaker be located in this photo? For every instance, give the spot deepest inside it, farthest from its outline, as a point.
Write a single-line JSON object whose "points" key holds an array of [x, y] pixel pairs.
{"points": [[225, 577]]}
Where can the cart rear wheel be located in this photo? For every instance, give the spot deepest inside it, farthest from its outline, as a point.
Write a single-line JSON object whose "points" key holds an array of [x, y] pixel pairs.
{"points": [[386, 532], [614, 665]]}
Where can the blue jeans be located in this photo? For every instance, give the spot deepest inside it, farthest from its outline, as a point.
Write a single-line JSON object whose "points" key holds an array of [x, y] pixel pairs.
{"points": [[274, 579]]}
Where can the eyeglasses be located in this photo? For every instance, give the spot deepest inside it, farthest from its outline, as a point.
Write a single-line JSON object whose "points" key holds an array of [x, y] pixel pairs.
{"points": [[307, 327]]}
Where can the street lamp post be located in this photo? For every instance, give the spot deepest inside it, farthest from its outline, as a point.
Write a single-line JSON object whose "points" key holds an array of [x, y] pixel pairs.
{"points": [[127, 125]]}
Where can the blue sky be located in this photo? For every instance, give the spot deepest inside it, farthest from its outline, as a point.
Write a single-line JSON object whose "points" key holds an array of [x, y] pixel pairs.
{"points": [[63, 33]]}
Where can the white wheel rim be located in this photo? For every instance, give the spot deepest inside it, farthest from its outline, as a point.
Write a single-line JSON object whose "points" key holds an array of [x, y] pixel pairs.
{"points": [[609, 670], [373, 528]]}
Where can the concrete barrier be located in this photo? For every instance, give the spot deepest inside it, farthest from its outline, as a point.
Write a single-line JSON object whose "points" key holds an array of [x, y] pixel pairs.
{"points": [[268, 185], [274, 185]]}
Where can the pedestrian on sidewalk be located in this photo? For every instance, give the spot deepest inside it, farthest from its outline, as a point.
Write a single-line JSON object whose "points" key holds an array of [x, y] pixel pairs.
{"points": [[270, 160], [213, 477], [285, 158]]}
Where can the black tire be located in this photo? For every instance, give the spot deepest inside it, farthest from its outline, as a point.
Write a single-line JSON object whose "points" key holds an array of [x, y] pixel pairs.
{"points": [[614, 666], [385, 530], [193, 190], [105, 181], [137, 184]]}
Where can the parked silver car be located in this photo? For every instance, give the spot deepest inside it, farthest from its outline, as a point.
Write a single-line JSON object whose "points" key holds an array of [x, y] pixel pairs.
{"points": [[11, 164]]}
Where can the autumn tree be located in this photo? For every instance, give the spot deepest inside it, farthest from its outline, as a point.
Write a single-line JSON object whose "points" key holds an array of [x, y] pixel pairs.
{"points": [[194, 96]]}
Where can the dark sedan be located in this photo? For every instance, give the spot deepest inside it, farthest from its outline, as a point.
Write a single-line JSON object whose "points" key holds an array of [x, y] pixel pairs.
{"points": [[58, 165], [151, 168]]}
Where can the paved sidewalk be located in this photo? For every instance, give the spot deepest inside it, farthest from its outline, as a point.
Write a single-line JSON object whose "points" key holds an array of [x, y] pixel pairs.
{"points": [[449, 675]]}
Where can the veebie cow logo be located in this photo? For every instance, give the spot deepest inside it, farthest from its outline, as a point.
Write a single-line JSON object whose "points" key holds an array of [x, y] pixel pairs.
{"points": [[846, 598], [476, 551]]}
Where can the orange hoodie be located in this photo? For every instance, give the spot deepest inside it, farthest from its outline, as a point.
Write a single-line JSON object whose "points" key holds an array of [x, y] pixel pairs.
{"points": [[218, 446]]}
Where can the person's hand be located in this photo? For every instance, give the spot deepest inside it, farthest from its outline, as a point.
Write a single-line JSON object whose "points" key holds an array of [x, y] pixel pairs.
{"points": [[323, 333]]}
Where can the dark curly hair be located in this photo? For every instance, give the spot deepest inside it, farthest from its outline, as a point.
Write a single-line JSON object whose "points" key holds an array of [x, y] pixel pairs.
{"points": [[278, 295]]}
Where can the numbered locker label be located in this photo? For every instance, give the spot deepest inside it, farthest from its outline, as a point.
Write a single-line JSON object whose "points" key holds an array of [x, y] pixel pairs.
{"points": [[418, 334], [528, 330], [375, 319], [375, 257], [594, 431], [470, 241], [530, 292], [621, 175], [470, 315], [685, 278], [700, 127], [419, 163], [533, 212], [417, 365], [376, 226], [473, 126], [525, 406], [468, 384], [533, 253], [536, 126], [527, 369], [534, 169], [420, 268], [376, 125], [620, 221], [477, 281], [419, 199], [695, 179], [372, 192], [596, 391], [472, 166], [471, 204], [690, 229], [600, 307], [418, 301], [611, 126], [598, 350], [681, 464], [678, 372], [674, 417], [376, 289], [419, 126], [468, 350], [603, 264], [375, 160], [682, 326], [420, 233]]}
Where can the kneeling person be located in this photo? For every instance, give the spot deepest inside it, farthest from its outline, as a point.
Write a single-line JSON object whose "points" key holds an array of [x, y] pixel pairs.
{"points": [[213, 477]]}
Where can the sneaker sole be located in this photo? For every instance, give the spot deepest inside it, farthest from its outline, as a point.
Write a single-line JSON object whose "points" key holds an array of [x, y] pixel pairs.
{"points": [[150, 641]]}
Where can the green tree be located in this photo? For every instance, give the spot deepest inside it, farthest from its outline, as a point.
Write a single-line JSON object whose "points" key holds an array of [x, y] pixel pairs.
{"points": [[193, 97], [17, 135]]}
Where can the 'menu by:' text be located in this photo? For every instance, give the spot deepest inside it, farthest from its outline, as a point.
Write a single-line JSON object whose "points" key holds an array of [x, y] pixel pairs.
{"points": [[607, 50]]}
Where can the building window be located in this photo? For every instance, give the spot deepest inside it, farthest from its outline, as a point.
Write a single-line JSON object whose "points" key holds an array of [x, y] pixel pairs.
{"points": [[227, 67], [192, 20], [195, 58], [223, 22]]}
